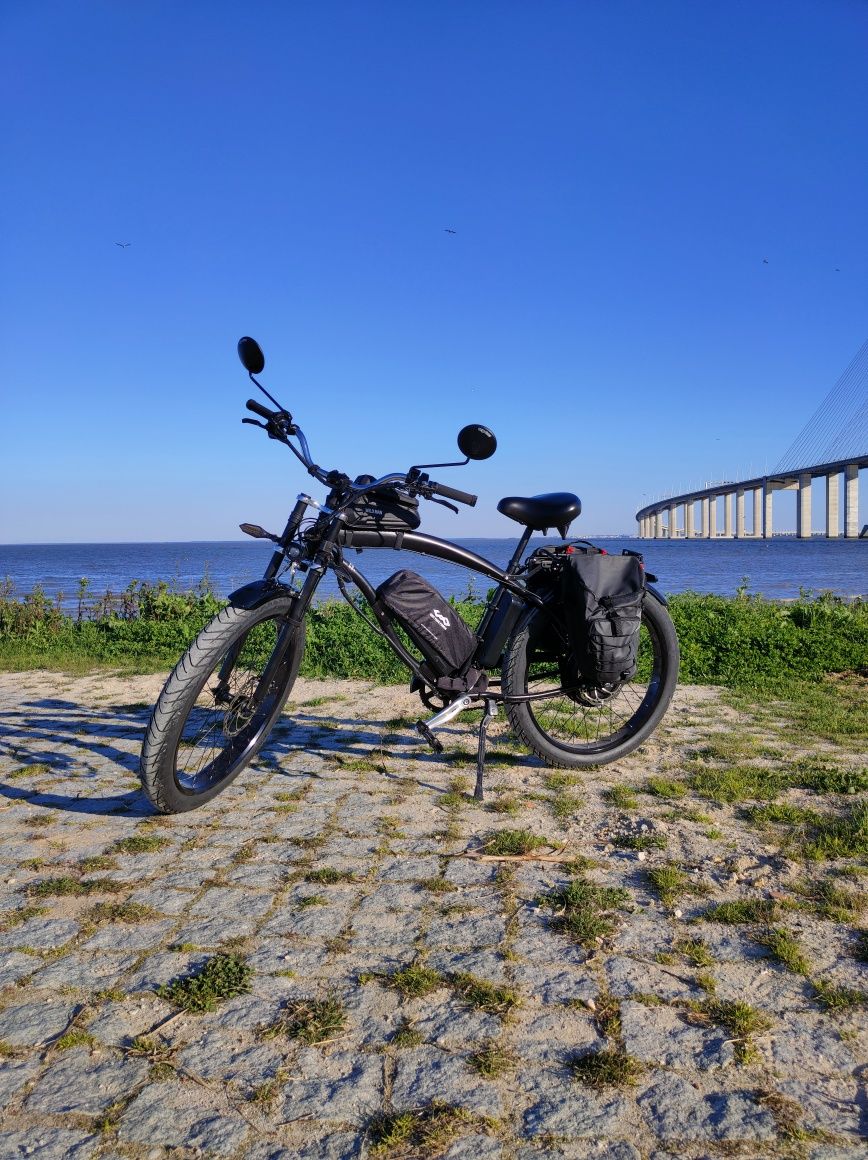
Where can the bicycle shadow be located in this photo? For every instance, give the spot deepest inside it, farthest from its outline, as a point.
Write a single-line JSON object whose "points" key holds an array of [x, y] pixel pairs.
{"points": [[69, 741]]}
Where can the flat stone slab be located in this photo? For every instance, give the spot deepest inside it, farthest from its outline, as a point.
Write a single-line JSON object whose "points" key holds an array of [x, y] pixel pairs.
{"points": [[49, 1144], [427, 1074], [84, 1083], [344, 1086], [675, 1110], [169, 1116], [32, 1024]]}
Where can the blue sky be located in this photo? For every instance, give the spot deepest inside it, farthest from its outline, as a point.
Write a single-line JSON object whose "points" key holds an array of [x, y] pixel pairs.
{"points": [[615, 173]]}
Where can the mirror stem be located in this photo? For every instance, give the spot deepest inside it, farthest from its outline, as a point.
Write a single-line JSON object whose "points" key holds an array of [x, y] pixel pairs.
{"points": [[253, 379]]}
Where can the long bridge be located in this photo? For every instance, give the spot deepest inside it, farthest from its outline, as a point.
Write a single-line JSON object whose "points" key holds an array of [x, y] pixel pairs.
{"points": [[833, 446]]}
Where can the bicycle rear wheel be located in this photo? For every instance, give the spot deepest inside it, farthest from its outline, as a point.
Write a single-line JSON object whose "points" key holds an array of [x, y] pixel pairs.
{"points": [[219, 705], [580, 726]]}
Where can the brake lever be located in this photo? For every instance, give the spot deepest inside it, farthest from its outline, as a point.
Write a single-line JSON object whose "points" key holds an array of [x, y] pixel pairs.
{"points": [[443, 503], [255, 423]]}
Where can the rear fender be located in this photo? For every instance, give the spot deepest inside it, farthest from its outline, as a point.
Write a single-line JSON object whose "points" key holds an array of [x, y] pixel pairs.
{"points": [[658, 596]]}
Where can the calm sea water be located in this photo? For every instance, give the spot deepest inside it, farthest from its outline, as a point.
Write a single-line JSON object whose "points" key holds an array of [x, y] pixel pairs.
{"points": [[777, 568]]}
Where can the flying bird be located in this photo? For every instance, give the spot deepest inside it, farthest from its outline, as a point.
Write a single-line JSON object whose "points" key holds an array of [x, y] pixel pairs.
{"points": [[123, 245], [765, 261], [448, 231]]}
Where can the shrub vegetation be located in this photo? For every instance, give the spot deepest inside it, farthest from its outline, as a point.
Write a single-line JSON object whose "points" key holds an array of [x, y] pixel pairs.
{"points": [[743, 641]]}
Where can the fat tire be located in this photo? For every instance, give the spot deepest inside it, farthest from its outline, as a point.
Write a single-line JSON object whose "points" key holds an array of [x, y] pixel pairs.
{"points": [[157, 769], [554, 753]]}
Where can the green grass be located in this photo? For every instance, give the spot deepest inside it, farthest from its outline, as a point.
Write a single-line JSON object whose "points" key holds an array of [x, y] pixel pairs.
{"points": [[129, 912], [222, 977], [9, 919], [406, 1036], [731, 745], [65, 886], [492, 1060], [665, 787], [816, 836], [438, 885], [505, 804], [788, 1115], [741, 911], [35, 769], [482, 994], [74, 1038], [860, 946], [565, 806], [558, 779], [40, 821], [784, 948], [513, 842], [97, 862], [695, 951], [457, 795], [423, 1132], [609, 1067], [834, 998], [825, 897], [622, 797], [310, 1021], [139, 844], [607, 1015], [640, 841], [415, 980], [824, 777], [583, 910], [329, 876], [736, 783], [670, 882], [741, 1020]]}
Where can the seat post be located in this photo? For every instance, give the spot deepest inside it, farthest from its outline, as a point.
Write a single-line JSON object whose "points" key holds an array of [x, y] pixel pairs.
{"points": [[519, 551]]}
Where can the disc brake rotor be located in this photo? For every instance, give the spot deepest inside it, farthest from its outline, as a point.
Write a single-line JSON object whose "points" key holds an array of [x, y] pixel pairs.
{"points": [[240, 710], [594, 697]]}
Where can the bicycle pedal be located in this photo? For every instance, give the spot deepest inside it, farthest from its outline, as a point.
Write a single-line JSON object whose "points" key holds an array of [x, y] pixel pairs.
{"points": [[426, 733]]}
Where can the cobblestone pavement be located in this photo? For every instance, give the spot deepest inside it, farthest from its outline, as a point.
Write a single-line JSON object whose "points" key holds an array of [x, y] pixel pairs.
{"points": [[343, 858]]}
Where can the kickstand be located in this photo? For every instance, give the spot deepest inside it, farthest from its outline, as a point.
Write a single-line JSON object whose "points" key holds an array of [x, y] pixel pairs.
{"points": [[487, 717]]}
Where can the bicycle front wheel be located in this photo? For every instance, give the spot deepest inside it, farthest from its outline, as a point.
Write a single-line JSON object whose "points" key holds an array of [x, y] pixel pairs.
{"points": [[219, 705], [579, 726]]}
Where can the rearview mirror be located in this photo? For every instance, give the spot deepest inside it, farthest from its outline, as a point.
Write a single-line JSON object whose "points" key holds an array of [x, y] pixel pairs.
{"points": [[250, 353], [476, 441]]}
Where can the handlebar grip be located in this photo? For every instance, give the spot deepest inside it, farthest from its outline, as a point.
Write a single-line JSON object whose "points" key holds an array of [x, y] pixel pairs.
{"points": [[258, 409], [454, 493]]}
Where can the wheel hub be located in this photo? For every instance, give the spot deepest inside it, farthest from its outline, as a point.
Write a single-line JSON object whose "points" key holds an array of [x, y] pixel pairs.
{"points": [[238, 715]]}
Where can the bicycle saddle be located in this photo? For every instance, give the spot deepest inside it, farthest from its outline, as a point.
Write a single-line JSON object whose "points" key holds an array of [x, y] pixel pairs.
{"points": [[556, 509]]}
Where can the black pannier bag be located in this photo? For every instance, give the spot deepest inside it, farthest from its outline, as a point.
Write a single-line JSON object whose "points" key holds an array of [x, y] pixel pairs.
{"points": [[432, 624], [602, 602]]}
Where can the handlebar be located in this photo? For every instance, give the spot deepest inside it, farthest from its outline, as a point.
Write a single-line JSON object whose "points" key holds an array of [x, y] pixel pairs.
{"points": [[258, 409], [279, 425], [453, 493]]}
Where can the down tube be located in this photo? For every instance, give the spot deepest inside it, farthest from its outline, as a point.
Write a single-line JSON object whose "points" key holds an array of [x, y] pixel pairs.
{"points": [[427, 545]]}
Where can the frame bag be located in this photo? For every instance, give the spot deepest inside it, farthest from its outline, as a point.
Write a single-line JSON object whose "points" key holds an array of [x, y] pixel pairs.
{"points": [[432, 624], [602, 604], [383, 511]]}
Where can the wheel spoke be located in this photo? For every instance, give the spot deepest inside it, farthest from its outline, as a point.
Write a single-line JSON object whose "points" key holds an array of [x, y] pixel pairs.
{"points": [[581, 720]]}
